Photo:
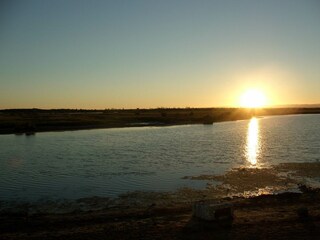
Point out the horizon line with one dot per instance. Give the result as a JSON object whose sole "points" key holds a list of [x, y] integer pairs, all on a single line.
{"points": [[314, 105]]}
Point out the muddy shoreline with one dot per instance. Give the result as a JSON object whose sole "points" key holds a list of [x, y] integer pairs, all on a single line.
{"points": [[262, 217], [267, 205]]}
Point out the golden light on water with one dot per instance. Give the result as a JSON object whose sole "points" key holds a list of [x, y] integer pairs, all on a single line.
{"points": [[252, 148]]}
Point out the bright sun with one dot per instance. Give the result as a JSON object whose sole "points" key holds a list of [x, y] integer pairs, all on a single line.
{"points": [[252, 98]]}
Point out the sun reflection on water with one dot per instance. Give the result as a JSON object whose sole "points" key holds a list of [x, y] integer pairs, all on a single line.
{"points": [[252, 148]]}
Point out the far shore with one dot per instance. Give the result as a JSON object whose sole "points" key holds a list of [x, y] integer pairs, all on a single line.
{"points": [[30, 121]]}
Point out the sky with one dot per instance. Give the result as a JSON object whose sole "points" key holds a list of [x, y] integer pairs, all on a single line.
{"points": [[149, 54]]}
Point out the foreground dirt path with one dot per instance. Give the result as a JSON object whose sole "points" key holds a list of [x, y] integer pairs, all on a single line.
{"points": [[263, 217]]}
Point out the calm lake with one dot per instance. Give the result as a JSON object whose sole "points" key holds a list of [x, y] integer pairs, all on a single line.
{"points": [[108, 162]]}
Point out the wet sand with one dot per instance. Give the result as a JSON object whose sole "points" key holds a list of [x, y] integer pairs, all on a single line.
{"points": [[264, 208]]}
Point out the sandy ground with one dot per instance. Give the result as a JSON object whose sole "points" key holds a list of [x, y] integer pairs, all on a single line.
{"points": [[259, 211]]}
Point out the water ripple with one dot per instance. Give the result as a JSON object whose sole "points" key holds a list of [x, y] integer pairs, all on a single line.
{"points": [[108, 162]]}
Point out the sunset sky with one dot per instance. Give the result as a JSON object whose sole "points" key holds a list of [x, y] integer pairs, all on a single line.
{"points": [[146, 54]]}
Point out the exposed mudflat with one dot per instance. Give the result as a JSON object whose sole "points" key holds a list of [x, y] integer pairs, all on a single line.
{"points": [[257, 181], [266, 201]]}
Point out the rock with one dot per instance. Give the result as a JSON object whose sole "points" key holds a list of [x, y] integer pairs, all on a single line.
{"points": [[211, 212]]}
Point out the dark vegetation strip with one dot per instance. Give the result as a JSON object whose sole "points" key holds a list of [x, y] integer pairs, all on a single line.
{"points": [[38, 120]]}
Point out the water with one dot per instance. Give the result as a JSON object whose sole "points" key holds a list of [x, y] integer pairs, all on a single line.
{"points": [[108, 162]]}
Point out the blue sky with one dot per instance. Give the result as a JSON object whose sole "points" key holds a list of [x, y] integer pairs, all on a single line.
{"points": [[128, 54]]}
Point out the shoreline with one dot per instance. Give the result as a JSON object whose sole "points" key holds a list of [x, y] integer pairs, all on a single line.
{"points": [[154, 215], [280, 213], [234, 183]]}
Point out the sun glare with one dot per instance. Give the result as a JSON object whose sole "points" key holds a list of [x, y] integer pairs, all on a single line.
{"points": [[252, 98]]}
